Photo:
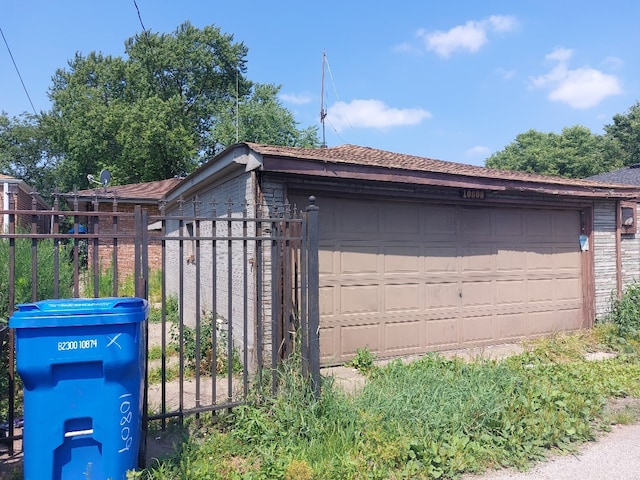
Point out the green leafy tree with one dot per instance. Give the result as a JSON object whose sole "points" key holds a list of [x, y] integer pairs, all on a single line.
{"points": [[260, 118], [624, 133], [158, 112], [575, 153], [26, 151], [144, 117]]}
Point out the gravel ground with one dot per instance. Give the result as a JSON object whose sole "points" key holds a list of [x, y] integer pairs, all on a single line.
{"points": [[615, 455]]}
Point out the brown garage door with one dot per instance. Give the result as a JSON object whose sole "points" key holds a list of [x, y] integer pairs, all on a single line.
{"points": [[405, 278]]}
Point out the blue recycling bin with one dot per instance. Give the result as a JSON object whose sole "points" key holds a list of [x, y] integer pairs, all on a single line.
{"points": [[82, 362]]}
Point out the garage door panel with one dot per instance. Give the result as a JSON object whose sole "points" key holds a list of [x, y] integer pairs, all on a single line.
{"points": [[359, 299], [510, 260], [566, 257], [477, 293], [540, 289], [440, 295], [565, 223], [442, 333], [540, 224], [476, 224], [407, 277], [358, 218], [568, 289], [477, 259], [512, 326], [510, 291], [441, 258], [327, 303], [508, 225], [401, 220], [541, 258], [401, 259], [326, 260], [402, 337], [402, 298], [329, 342], [358, 259], [477, 329], [359, 336], [439, 223]]}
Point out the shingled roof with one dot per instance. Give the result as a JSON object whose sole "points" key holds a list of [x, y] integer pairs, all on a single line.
{"points": [[148, 192], [458, 173], [627, 175]]}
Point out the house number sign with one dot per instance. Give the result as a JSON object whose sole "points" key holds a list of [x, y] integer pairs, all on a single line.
{"points": [[470, 194]]}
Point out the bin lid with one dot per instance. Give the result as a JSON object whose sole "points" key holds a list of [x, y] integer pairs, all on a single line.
{"points": [[65, 312]]}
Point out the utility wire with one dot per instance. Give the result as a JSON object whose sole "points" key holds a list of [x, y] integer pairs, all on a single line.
{"points": [[139, 16], [18, 72], [325, 117]]}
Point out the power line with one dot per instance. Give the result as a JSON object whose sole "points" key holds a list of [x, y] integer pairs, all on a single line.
{"points": [[18, 72], [139, 16]]}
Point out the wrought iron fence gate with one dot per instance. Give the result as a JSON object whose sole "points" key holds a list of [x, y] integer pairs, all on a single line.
{"points": [[231, 294]]}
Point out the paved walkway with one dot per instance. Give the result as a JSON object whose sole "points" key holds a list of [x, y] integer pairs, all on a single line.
{"points": [[615, 455]]}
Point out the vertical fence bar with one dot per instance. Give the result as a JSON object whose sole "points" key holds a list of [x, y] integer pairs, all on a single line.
{"points": [[258, 276], [245, 306], [275, 311], [304, 286], [313, 294], [181, 309], [13, 190], [55, 229], [141, 242], [196, 211], [214, 302], [114, 257], [34, 249], [95, 257], [229, 301], [163, 317]]}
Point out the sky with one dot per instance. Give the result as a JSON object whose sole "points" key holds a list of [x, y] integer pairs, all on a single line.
{"points": [[453, 80]]}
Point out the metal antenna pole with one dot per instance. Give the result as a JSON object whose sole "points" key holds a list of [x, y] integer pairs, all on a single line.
{"points": [[323, 111]]}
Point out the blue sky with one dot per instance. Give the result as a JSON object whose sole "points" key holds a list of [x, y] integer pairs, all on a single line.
{"points": [[454, 80]]}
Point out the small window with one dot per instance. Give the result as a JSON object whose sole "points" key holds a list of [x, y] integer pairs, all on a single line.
{"points": [[628, 217]]}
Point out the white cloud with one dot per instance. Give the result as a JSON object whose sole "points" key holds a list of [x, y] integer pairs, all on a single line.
{"points": [[372, 114], [580, 88], [471, 36], [295, 98], [506, 74], [477, 151], [613, 63], [560, 54]]}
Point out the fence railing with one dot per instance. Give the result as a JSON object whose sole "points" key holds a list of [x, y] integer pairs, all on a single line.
{"points": [[232, 294]]}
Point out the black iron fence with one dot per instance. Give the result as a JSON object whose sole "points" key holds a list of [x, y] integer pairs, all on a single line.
{"points": [[231, 294]]}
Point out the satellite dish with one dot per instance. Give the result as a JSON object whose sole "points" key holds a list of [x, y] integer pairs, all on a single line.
{"points": [[105, 177]]}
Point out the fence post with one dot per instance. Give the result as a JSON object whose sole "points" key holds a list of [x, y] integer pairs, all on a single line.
{"points": [[313, 287]]}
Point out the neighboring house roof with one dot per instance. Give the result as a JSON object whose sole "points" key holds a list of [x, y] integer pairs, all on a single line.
{"points": [[627, 175], [148, 192], [25, 187]]}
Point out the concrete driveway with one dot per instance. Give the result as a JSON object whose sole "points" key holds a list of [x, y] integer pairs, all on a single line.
{"points": [[615, 455]]}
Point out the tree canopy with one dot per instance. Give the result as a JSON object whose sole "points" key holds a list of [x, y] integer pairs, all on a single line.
{"points": [[156, 113], [625, 133], [26, 151], [575, 153]]}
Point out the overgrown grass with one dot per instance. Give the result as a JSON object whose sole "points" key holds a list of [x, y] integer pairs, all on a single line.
{"points": [[432, 418]]}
